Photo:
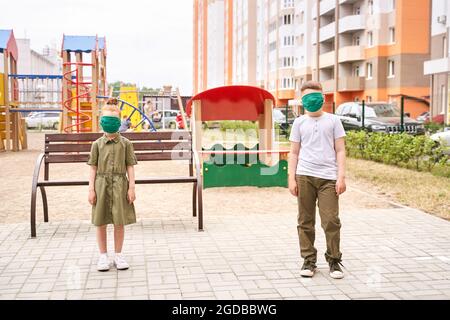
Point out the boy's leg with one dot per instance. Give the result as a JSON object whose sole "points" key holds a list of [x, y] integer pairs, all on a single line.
{"points": [[329, 216], [101, 239], [307, 196], [119, 235]]}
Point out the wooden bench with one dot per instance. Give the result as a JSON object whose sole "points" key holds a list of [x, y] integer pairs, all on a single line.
{"points": [[149, 146]]}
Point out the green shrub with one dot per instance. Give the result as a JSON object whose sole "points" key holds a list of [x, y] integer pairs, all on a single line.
{"points": [[412, 152], [238, 125], [433, 127]]}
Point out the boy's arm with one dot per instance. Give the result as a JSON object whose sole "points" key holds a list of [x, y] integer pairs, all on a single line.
{"points": [[341, 159], [293, 161], [131, 184]]}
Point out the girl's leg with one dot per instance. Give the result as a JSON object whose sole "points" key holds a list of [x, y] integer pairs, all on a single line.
{"points": [[119, 234], [101, 239]]}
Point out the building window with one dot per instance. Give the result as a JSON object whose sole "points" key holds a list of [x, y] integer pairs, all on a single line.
{"points": [[357, 11], [392, 35], [369, 99], [369, 71], [356, 72], [370, 39], [371, 11], [443, 98], [444, 47], [391, 68], [393, 5], [356, 41]]}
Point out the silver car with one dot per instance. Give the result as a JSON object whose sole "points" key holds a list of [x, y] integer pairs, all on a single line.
{"points": [[443, 138], [47, 120]]}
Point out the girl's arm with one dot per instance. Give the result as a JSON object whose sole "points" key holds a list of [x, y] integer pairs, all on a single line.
{"points": [[92, 195], [131, 185]]}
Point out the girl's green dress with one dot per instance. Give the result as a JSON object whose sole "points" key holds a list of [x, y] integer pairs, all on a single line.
{"points": [[112, 157]]}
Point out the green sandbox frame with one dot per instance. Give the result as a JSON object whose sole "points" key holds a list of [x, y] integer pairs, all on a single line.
{"points": [[247, 173]]}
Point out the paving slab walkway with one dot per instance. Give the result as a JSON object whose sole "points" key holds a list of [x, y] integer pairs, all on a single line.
{"points": [[388, 254]]}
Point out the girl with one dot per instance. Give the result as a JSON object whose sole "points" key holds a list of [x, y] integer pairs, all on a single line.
{"points": [[111, 194]]}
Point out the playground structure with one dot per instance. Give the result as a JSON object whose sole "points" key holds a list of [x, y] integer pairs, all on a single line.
{"points": [[259, 166], [83, 79], [12, 126]]}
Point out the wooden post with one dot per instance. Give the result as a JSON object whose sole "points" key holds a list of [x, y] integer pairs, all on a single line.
{"points": [[266, 132], [7, 114], [180, 104], [196, 125], [16, 116], [64, 119]]}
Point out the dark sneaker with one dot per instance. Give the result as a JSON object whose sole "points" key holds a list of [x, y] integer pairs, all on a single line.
{"points": [[308, 269], [335, 269]]}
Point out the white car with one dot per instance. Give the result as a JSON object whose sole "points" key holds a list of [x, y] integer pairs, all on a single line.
{"points": [[444, 139], [43, 120]]}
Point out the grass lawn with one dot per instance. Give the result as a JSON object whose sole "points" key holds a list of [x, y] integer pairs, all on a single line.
{"points": [[419, 190]]}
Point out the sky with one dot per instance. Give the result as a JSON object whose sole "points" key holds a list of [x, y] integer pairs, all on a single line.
{"points": [[149, 42]]}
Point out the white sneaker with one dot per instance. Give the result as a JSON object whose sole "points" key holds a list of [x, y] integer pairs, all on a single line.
{"points": [[335, 269], [103, 263], [120, 262]]}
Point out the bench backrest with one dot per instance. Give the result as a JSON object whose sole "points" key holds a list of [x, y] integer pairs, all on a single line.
{"points": [[148, 146]]}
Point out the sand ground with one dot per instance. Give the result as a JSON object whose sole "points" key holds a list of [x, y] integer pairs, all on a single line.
{"points": [[70, 203]]}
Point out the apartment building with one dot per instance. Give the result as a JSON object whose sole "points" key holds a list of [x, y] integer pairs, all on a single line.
{"points": [[209, 44], [438, 67], [266, 43], [372, 50]]}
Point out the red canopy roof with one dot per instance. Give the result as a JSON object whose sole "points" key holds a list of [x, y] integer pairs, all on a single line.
{"points": [[231, 103]]}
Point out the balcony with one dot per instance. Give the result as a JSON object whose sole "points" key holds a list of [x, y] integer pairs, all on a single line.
{"points": [[351, 53], [329, 85], [351, 23], [437, 66], [327, 6], [328, 32], [351, 84], [327, 60]]}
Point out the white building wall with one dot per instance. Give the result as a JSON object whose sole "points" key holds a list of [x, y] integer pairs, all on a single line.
{"points": [[216, 43], [32, 62]]}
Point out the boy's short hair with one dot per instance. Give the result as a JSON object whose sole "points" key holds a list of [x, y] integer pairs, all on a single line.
{"points": [[311, 85]]}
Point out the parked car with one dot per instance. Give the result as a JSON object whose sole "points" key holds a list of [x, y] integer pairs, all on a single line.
{"points": [[279, 118], [168, 117], [46, 120], [379, 117], [424, 117], [443, 139]]}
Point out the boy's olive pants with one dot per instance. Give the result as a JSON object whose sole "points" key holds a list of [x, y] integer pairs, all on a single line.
{"points": [[310, 191]]}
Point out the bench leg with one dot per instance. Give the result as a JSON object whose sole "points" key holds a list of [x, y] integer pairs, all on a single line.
{"points": [[33, 212], [44, 202], [194, 200], [200, 207]]}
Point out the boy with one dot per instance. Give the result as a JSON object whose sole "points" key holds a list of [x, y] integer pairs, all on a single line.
{"points": [[112, 185], [317, 174]]}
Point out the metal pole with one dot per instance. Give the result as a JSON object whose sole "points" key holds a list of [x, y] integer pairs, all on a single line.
{"points": [[402, 114], [363, 119], [334, 107]]}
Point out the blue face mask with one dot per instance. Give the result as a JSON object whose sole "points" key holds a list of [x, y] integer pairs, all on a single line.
{"points": [[313, 102]]}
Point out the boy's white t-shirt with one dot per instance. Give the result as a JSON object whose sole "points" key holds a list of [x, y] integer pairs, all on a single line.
{"points": [[317, 137]]}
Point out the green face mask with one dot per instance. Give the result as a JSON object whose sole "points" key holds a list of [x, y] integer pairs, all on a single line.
{"points": [[313, 102], [110, 124]]}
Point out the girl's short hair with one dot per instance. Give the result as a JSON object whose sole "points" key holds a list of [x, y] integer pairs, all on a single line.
{"points": [[112, 105]]}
